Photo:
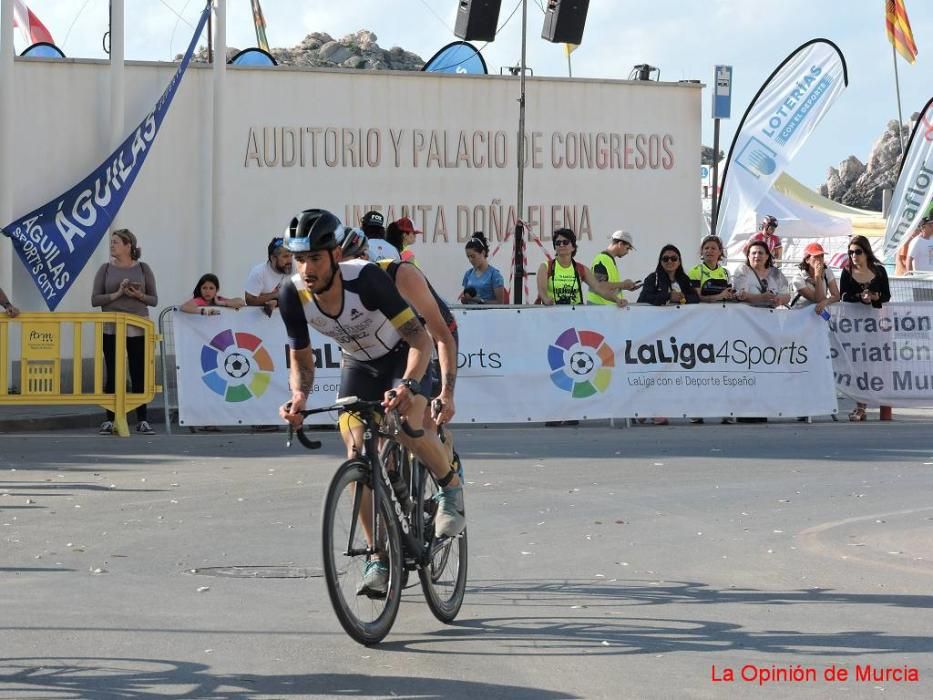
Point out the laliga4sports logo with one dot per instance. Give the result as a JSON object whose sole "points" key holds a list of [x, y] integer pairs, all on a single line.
{"points": [[236, 366], [581, 363]]}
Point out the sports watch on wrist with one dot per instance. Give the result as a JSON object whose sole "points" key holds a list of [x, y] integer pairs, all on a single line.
{"points": [[412, 385]]}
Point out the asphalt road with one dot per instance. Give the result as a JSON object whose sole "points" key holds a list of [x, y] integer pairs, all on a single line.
{"points": [[637, 563]]}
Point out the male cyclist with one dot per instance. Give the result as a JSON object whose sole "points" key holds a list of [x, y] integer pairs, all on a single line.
{"points": [[433, 312], [356, 304]]}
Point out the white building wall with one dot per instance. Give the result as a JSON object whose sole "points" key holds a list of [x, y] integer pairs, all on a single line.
{"points": [[61, 133]]}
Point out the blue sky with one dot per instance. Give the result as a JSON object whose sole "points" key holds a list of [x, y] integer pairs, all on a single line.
{"points": [[684, 38]]}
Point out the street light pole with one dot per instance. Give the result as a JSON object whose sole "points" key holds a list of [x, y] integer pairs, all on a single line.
{"points": [[519, 228]]}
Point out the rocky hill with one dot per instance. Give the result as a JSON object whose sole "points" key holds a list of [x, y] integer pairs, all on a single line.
{"points": [[358, 50], [859, 184]]}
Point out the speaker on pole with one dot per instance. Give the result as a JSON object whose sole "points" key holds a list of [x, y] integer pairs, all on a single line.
{"points": [[477, 20], [564, 21]]}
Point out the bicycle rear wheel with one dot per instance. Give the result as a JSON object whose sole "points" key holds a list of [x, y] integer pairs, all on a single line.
{"points": [[367, 620], [443, 580]]}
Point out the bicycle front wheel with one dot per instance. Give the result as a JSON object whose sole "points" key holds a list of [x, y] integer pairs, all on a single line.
{"points": [[443, 580], [366, 618]]}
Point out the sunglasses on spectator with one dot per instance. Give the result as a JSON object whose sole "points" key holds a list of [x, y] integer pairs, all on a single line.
{"points": [[856, 251], [669, 258], [560, 242]]}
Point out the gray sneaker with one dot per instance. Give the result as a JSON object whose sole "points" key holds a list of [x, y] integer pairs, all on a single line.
{"points": [[375, 582], [106, 428], [144, 428], [451, 519]]}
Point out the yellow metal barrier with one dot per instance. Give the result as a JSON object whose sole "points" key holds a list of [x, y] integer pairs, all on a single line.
{"points": [[41, 362]]}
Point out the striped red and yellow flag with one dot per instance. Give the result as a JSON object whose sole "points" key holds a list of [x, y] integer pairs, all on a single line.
{"points": [[898, 27], [260, 21]]}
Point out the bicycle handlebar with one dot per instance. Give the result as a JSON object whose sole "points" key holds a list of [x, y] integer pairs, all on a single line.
{"points": [[350, 403]]}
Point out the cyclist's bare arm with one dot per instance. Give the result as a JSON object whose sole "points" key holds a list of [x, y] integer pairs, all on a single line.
{"points": [[419, 354], [301, 380], [414, 289]]}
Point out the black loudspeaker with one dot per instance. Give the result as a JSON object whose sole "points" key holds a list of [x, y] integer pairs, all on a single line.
{"points": [[477, 19], [564, 21]]}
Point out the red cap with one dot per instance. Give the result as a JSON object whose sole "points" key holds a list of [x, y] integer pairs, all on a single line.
{"points": [[813, 249], [406, 226]]}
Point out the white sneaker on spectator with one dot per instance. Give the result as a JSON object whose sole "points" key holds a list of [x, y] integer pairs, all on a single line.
{"points": [[144, 428], [106, 428]]}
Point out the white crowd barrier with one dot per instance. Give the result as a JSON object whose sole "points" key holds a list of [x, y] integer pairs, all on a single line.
{"points": [[521, 364]]}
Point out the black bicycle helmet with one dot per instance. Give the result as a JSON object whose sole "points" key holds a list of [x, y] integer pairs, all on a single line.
{"points": [[312, 230], [769, 221], [352, 242]]}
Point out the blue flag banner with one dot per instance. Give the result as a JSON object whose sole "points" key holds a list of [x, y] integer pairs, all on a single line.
{"points": [[56, 240], [457, 57]]}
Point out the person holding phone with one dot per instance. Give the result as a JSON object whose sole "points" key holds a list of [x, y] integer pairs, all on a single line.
{"points": [[605, 269], [128, 285]]}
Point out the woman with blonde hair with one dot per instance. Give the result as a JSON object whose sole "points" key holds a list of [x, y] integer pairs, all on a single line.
{"points": [[128, 285]]}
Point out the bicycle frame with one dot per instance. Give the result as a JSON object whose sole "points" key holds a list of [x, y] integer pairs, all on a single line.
{"points": [[410, 529]]}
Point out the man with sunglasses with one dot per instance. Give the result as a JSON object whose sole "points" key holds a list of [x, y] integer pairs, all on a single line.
{"points": [[386, 351], [265, 279]]}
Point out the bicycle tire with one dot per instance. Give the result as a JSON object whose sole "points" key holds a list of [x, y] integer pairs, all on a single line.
{"points": [[367, 620], [443, 589]]}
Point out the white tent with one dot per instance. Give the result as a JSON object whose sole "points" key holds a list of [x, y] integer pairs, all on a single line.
{"points": [[805, 216]]}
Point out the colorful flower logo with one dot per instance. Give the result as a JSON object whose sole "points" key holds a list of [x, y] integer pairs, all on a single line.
{"points": [[236, 366], [581, 363]]}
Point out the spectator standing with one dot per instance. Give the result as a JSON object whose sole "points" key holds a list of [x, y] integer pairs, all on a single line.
{"points": [[560, 281], [814, 284], [264, 280], [605, 269], [711, 280], [205, 298], [401, 234], [920, 251], [758, 282], [768, 234], [669, 283], [710, 277], [864, 281], [900, 257], [128, 285], [373, 224], [482, 283], [11, 310]]}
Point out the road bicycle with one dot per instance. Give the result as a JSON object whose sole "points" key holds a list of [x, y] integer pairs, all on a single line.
{"points": [[402, 530]]}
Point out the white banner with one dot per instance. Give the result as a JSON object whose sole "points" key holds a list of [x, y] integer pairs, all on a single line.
{"points": [[537, 364], [913, 193], [884, 356], [779, 121], [232, 368], [642, 361]]}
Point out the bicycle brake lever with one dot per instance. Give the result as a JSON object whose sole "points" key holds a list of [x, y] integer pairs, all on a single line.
{"points": [[291, 432]]}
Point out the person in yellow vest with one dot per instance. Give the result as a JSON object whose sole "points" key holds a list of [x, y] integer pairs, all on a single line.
{"points": [[605, 269], [560, 281]]}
